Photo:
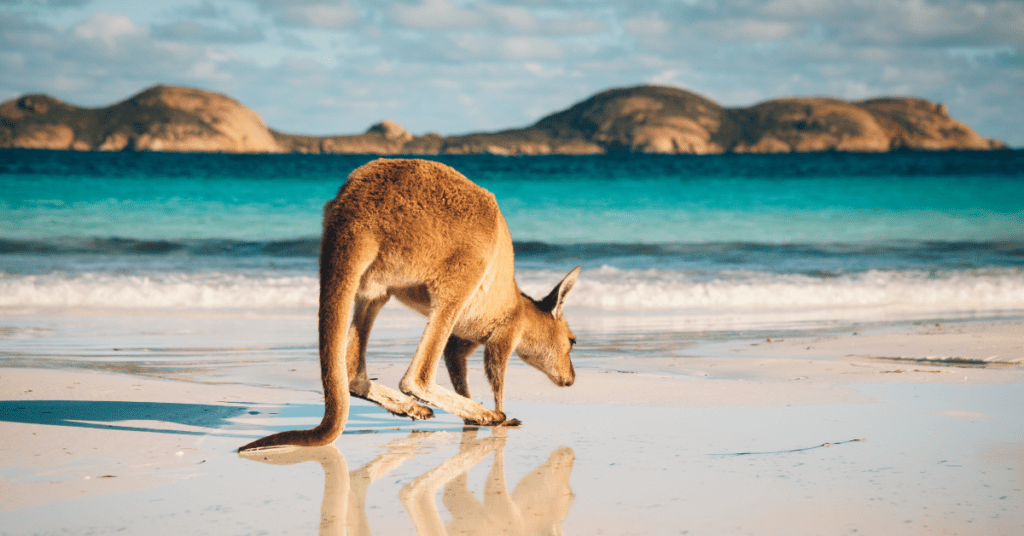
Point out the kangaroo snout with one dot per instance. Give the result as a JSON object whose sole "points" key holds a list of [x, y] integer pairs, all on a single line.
{"points": [[565, 379]]}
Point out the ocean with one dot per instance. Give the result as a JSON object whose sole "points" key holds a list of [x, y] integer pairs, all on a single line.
{"points": [[684, 243]]}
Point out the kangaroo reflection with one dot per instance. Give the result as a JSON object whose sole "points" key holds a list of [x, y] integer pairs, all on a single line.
{"points": [[537, 505], [336, 479]]}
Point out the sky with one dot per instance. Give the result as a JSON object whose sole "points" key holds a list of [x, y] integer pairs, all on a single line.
{"points": [[458, 66]]}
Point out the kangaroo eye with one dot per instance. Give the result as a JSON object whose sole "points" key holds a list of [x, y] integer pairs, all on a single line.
{"points": [[572, 341]]}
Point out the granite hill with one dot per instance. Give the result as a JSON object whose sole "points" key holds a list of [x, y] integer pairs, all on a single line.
{"points": [[646, 119]]}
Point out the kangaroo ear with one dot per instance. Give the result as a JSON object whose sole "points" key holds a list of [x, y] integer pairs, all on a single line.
{"points": [[553, 302]]}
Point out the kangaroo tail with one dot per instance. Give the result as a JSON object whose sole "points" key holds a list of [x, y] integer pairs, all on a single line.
{"points": [[342, 264]]}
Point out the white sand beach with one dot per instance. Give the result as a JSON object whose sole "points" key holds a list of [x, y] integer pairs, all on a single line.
{"points": [[896, 428]]}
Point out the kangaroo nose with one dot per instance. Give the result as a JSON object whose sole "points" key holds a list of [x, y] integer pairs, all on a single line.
{"points": [[570, 378]]}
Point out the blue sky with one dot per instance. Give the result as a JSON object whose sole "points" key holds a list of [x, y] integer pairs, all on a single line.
{"points": [[459, 66]]}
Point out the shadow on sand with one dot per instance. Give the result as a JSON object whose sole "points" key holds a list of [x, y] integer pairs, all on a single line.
{"points": [[95, 414], [537, 505]]}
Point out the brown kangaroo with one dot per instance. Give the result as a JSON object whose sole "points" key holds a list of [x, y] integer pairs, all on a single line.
{"points": [[422, 232]]}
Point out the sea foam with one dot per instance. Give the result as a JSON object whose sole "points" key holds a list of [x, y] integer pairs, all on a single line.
{"points": [[170, 290], [611, 288], [604, 288]]}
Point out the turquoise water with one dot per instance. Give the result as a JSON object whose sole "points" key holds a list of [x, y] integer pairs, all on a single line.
{"points": [[562, 200], [925, 232]]}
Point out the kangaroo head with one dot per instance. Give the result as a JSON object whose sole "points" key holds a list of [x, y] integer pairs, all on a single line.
{"points": [[547, 339]]}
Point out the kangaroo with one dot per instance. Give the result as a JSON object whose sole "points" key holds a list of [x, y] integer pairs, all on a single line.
{"points": [[422, 232]]}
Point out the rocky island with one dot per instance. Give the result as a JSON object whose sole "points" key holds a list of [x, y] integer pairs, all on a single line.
{"points": [[645, 119]]}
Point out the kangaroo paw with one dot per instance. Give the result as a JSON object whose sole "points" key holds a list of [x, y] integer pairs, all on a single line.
{"points": [[415, 412], [420, 413], [491, 418], [511, 423]]}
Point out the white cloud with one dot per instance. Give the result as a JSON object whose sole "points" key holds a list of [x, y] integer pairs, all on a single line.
{"points": [[311, 13], [435, 15], [908, 22], [45, 4], [206, 33], [491, 17], [322, 16], [107, 28], [208, 71], [531, 48], [647, 24], [204, 10], [753, 30], [575, 23], [513, 18]]}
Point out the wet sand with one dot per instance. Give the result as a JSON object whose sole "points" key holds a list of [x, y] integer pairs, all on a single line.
{"points": [[901, 428]]}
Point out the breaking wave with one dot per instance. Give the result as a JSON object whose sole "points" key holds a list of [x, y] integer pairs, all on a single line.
{"points": [[606, 288]]}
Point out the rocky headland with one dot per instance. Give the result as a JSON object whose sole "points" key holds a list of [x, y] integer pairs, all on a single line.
{"points": [[645, 119]]}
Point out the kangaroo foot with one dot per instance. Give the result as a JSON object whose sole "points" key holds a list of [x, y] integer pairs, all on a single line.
{"points": [[489, 418], [509, 423], [417, 412], [471, 412], [396, 403], [414, 411]]}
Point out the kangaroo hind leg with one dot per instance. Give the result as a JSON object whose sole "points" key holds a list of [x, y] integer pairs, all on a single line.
{"points": [[360, 385], [455, 354]]}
